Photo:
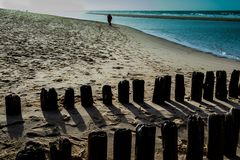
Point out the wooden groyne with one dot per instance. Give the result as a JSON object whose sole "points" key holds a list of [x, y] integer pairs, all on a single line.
{"points": [[222, 133]]}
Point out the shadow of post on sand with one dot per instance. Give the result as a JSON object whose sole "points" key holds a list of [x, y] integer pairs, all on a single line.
{"points": [[15, 126], [77, 118], [95, 116], [117, 112], [55, 117]]}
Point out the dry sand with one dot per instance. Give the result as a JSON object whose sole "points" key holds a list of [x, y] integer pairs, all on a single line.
{"points": [[39, 51]]}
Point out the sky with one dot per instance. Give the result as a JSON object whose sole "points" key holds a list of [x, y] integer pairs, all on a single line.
{"points": [[78, 5]]}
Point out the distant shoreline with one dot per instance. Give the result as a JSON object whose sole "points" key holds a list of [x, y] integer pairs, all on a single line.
{"points": [[171, 17]]}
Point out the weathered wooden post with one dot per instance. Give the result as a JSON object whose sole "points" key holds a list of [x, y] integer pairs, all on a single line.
{"points": [[167, 87], [197, 86], [159, 94], [156, 91], [54, 152], [31, 153], [49, 99], [179, 88], [44, 99], [107, 95], [123, 92], [97, 146], [195, 138], [86, 96], [145, 142], [232, 126], [138, 90], [69, 98], [215, 137], [65, 148], [209, 86], [228, 136], [13, 105], [239, 89], [169, 140], [52, 99], [221, 85], [122, 144], [233, 85]]}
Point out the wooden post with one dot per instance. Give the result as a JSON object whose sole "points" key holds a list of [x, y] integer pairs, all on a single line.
{"points": [[239, 90], [179, 88], [123, 92], [97, 146], [52, 99], [209, 86], [197, 86], [31, 153], [215, 137], [169, 140], [221, 85], [69, 98], [54, 152], [107, 95], [122, 144], [156, 91], [159, 93], [235, 112], [167, 87], [13, 105], [65, 148], [44, 99], [233, 85], [229, 137], [86, 96], [49, 99], [145, 142], [195, 138], [138, 90]]}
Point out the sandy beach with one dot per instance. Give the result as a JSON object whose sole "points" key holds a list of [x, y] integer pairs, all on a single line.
{"points": [[42, 51]]}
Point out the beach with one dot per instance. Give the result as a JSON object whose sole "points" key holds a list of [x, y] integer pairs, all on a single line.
{"points": [[42, 51]]}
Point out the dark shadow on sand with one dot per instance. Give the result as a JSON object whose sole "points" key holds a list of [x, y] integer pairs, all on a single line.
{"points": [[222, 106], [182, 107], [195, 108], [167, 105], [136, 111], [77, 119], [96, 116], [233, 103], [213, 108], [117, 112], [56, 118], [15, 126], [151, 109], [235, 158]]}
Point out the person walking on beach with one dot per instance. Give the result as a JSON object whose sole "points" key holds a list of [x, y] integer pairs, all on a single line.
{"points": [[109, 18]]}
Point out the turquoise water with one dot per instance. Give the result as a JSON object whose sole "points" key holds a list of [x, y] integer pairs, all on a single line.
{"points": [[221, 38]]}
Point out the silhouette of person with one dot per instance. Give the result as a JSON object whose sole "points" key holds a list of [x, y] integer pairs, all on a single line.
{"points": [[109, 17]]}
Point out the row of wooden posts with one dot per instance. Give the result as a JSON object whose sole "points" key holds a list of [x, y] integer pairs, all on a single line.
{"points": [[223, 133], [161, 93]]}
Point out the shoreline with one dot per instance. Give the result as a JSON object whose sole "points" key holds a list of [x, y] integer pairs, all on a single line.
{"points": [[180, 44], [171, 17]]}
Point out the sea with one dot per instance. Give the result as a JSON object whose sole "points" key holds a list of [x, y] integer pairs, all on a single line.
{"points": [[214, 32]]}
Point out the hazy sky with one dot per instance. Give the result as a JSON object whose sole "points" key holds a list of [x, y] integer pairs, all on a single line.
{"points": [[75, 5]]}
